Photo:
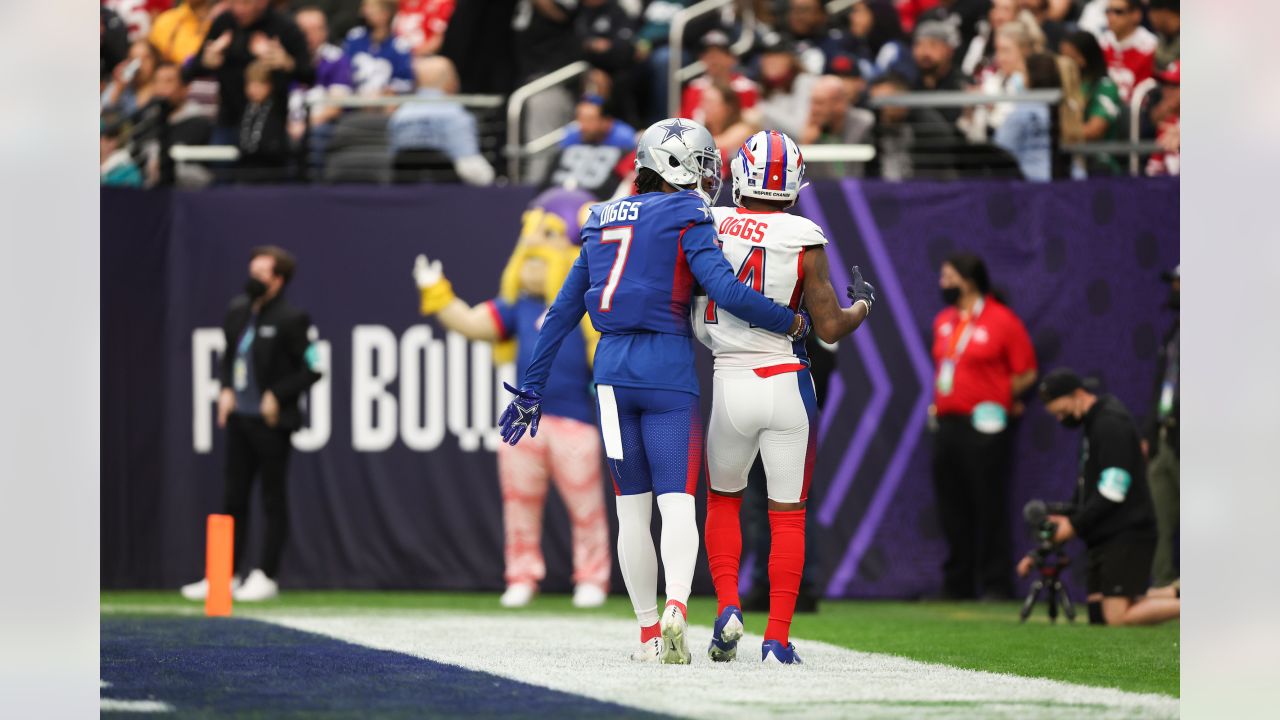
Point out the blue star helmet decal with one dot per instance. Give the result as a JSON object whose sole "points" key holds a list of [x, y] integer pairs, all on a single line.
{"points": [[674, 129]]}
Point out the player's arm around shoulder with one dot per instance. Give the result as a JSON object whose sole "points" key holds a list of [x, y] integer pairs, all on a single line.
{"points": [[481, 322], [830, 321]]}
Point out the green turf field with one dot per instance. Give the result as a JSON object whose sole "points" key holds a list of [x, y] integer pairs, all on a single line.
{"points": [[967, 635]]}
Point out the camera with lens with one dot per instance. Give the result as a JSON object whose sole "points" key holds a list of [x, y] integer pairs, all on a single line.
{"points": [[1048, 559], [1036, 513]]}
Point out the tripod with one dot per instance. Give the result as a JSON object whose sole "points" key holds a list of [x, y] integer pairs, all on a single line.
{"points": [[1049, 584]]}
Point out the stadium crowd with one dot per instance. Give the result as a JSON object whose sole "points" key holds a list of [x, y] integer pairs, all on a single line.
{"points": [[246, 73]]}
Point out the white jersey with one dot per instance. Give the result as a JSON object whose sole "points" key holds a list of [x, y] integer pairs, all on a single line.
{"points": [[766, 249]]}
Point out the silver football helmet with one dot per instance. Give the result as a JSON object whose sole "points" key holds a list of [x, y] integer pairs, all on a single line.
{"points": [[684, 154]]}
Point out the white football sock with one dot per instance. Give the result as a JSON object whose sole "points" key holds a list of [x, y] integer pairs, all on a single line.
{"points": [[679, 543], [636, 555]]}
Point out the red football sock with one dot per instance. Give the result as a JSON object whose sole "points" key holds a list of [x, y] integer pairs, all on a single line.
{"points": [[723, 536], [786, 565], [649, 633]]}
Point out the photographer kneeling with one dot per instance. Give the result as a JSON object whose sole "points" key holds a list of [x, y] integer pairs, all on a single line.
{"points": [[1111, 509]]}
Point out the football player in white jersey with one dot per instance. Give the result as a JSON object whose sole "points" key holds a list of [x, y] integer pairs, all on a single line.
{"points": [[763, 398]]}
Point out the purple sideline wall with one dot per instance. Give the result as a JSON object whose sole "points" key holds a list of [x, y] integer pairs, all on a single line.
{"points": [[402, 492]]}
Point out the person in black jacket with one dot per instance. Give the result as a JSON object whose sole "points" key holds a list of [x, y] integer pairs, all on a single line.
{"points": [[267, 365], [249, 30], [1111, 510]]}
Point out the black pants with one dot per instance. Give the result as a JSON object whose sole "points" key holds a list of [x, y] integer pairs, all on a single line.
{"points": [[970, 479], [254, 448]]}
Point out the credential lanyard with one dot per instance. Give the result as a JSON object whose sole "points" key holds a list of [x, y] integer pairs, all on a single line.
{"points": [[947, 369]]}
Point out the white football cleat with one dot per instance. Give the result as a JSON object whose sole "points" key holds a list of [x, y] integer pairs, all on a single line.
{"points": [[675, 651], [255, 588], [649, 652], [199, 590], [518, 595], [588, 595]]}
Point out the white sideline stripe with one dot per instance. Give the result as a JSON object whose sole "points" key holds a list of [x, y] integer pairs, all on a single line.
{"points": [[137, 706], [588, 657]]}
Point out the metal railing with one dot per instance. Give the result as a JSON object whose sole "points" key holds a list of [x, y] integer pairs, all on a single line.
{"points": [[515, 108], [961, 98], [837, 153], [836, 6], [354, 101], [677, 72]]}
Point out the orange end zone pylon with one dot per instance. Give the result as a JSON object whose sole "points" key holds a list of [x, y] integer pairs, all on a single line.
{"points": [[218, 555]]}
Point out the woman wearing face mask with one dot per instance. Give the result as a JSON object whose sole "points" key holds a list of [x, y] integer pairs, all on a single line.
{"points": [[983, 362]]}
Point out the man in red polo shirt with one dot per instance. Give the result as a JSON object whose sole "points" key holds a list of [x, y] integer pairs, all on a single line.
{"points": [[983, 362]]}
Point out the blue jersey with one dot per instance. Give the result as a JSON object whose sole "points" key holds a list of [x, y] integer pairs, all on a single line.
{"points": [[635, 274], [378, 66], [568, 391]]}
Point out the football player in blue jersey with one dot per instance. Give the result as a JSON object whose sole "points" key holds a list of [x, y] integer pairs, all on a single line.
{"points": [[635, 275]]}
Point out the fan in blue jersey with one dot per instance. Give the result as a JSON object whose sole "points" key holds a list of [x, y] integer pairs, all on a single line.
{"points": [[635, 275], [380, 61]]}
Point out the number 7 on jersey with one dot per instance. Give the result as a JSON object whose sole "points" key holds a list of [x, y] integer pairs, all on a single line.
{"points": [[622, 236]]}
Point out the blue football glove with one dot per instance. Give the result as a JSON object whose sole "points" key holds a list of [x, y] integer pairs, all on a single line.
{"points": [[523, 412], [806, 326], [860, 289]]}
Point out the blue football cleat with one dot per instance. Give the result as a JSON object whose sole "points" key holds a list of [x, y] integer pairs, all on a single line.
{"points": [[724, 639], [773, 652]]}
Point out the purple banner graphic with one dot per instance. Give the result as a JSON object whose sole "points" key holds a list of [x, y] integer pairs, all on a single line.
{"points": [[393, 484]]}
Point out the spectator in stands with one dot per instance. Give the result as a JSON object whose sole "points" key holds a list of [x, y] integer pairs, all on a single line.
{"points": [[263, 141], [980, 57], [1051, 16], [962, 15], [545, 42], [594, 156], [785, 87], [607, 37], [721, 111], [934, 52], [138, 14], [1015, 41], [333, 79], [1129, 48], [911, 142], [1167, 21], [721, 66], [845, 67], [1101, 98], [421, 23], [652, 49], [381, 63], [177, 33], [877, 40], [442, 127], [833, 122], [113, 43], [249, 31], [115, 163], [1166, 115], [814, 39], [131, 80], [1028, 132], [984, 362], [183, 122]]}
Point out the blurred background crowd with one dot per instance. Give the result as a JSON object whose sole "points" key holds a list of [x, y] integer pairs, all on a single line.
{"points": [[383, 91]]}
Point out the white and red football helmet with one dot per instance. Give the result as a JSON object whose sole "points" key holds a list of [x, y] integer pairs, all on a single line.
{"points": [[768, 166]]}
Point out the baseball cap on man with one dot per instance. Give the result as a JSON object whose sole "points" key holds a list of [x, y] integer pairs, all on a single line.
{"points": [[1060, 382], [715, 39], [938, 30]]}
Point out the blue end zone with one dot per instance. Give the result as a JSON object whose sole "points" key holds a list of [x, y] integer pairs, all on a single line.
{"points": [[209, 667]]}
